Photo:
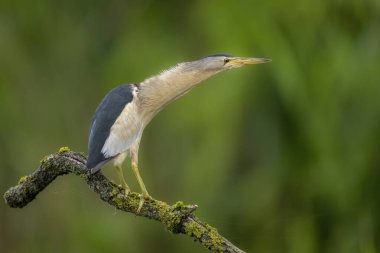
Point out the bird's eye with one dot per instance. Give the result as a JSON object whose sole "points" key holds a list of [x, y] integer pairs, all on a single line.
{"points": [[226, 60]]}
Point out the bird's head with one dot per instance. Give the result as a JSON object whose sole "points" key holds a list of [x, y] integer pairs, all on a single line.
{"points": [[221, 62]]}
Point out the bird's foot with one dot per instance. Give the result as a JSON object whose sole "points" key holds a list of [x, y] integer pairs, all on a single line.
{"points": [[126, 190], [125, 187], [143, 197]]}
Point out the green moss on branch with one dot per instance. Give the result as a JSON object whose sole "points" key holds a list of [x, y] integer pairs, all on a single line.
{"points": [[177, 218]]}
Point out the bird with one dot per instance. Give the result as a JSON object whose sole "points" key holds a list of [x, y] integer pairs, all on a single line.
{"points": [[121, 117]]}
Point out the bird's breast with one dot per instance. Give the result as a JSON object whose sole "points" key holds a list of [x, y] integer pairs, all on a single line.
{"points": [[124, 132]]}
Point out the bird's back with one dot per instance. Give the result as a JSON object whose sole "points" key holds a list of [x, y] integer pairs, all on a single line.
{"points": [[105, 116]]}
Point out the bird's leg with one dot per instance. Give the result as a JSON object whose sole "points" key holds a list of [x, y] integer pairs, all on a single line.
{"points": [[144, 192], [134, 159], [139, 179], [122, 180]]}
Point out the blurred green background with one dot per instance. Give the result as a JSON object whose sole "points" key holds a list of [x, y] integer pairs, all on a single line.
{"points": [[281, 157]]}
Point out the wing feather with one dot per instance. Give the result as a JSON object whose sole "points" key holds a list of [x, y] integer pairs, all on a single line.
{"points": [[104, 118]]}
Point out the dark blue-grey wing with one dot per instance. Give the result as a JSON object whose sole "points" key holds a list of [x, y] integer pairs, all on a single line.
{"points": [[105, 116]]}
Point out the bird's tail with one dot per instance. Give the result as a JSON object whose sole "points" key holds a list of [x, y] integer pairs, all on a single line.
{"points": [[98, 167]]}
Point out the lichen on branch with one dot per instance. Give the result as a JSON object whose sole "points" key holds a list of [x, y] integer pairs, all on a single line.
{"points": [[177, 218]]}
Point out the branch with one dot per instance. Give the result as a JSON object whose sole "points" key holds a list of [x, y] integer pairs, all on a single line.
{"points": [[178, 218]]}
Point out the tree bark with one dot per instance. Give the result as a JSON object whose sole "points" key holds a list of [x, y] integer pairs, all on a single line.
{"points": [[177, 218]]}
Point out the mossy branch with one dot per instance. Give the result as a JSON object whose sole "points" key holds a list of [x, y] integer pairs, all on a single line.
{"points": [[178, 218]]}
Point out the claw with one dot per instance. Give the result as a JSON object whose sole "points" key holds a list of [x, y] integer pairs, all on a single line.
{"points": [[143, 197], [141, 203], [126, 191]]}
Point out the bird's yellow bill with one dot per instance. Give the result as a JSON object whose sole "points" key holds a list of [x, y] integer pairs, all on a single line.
{"points": [[239, 61]]}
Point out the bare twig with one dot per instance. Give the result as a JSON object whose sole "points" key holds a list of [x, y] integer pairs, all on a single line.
{"points": [[178, 218]]}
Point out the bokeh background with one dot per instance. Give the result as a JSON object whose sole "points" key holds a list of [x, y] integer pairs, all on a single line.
{"points": [[280, 157]]}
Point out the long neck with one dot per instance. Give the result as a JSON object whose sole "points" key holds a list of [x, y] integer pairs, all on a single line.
{"points": [[158, 91]]}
